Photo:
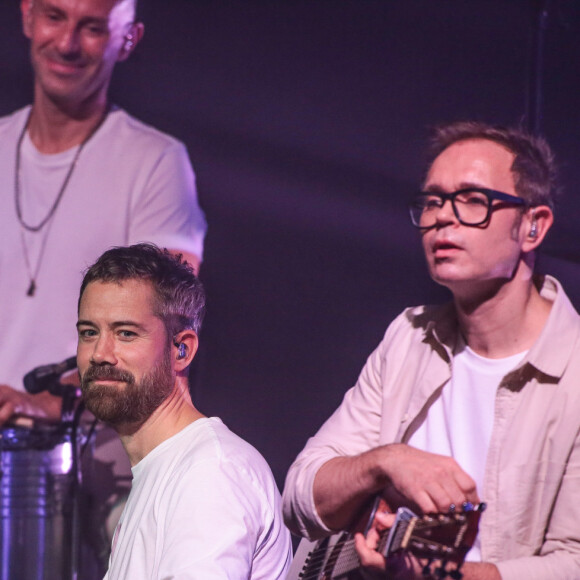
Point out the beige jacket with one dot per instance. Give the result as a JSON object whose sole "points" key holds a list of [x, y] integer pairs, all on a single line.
{"points": [[531, 528]]}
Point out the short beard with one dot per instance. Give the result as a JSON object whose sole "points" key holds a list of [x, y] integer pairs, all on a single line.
{"points": [[134, 403]]}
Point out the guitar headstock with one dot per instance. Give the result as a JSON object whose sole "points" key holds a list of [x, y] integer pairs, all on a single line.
{"points": [[441, 536]]}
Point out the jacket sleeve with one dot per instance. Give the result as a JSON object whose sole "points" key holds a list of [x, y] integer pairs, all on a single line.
{"points": [[352, 429]]}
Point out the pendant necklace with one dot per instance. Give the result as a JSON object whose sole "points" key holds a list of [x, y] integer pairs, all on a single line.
{"points": [[47, 220]]}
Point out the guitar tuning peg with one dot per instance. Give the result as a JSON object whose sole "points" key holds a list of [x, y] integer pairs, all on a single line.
{"points": [[452, 508], [481, 507], [467, 506]]}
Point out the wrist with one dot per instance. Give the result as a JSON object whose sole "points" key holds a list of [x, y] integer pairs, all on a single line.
{"points": [[377, 467]]}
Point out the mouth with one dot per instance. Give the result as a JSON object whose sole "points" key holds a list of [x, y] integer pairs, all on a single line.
{"points": [[105, 381], [443, 248], [63, 67]]}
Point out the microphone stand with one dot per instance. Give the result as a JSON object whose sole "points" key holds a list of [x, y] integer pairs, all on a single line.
{"points": [[47, 378]]}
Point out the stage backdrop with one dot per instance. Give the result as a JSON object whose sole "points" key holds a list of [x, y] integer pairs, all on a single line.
{"points": [[305, 121]]}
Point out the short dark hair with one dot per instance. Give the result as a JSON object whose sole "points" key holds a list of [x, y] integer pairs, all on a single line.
{"points": [[533, 167], [179, 295]]}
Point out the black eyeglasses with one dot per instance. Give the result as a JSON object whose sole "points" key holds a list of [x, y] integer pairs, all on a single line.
{"points": [[472, 206]]}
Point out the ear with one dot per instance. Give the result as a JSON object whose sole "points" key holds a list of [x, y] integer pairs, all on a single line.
{"points": [[189, 340], [26, 10], [535, 225], [131, 39]]}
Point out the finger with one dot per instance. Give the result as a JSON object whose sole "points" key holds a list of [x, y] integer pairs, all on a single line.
{"points": [[384, 520], [372, 539], [369, 558], [426, 501], [456, 490], [468, 486], [446, 493], [451, 488], [6, 412]]}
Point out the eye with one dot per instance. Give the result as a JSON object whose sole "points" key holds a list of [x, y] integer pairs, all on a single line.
{"points": [[474, 198], [127, 334], [53, 16], [96, 30], [429, 202], [96, 27], [87, 333]]}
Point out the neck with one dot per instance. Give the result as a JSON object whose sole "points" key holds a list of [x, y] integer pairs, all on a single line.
{"points": [[54, 126], [171, 417], [504, 318]]}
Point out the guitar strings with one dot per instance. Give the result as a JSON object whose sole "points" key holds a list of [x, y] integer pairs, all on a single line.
{"points": [[316, 559], [339, 563]]}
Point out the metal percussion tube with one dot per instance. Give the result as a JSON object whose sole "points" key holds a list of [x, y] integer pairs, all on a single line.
{"points": [[36, 503]]}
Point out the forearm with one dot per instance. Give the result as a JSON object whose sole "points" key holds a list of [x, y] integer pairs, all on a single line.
{"points": [[424, 481], [344, 484], [19, 403], [480, 571]]}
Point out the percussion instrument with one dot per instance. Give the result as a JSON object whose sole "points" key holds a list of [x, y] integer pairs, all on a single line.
{"points": [[37, 502]]}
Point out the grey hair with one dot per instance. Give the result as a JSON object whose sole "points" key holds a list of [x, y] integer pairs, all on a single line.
{"points": [[179, 295]]}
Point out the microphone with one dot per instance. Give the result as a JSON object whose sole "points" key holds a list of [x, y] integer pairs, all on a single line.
{"points": [[46, 377]]}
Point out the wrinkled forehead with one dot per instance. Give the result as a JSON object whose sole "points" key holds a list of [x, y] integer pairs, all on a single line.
{"points": [[119, 10]]}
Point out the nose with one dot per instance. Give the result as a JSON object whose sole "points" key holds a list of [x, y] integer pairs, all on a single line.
{"points": [[445, 214], [104, 351], [68, 41]]}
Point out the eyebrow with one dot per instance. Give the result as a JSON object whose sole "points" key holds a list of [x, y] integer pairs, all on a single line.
{"points": [[117, 324], [435, 188]]}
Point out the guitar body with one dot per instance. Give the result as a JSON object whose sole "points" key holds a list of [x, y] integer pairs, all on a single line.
{"points": [[443, 537]]}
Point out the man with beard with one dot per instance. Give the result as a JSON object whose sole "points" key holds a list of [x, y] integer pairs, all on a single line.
{"points": [[203, 503], [70, 154]]}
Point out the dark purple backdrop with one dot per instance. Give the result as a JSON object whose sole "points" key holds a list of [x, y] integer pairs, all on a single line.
{"points": [[305, 120]]}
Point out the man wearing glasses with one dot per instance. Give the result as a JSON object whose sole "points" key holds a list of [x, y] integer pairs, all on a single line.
{"points": [[476, 400]]}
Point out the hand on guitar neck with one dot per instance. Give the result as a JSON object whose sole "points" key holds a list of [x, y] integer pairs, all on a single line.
{"points": [[434, 548], [403, 565], [404, 546]]}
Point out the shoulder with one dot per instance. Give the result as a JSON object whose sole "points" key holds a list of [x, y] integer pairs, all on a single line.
{"points": [[139, 150], [139, 135], [14, 122], [209, 442], [551, 289], [230, 450], [207, 459], [418, 330]]}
